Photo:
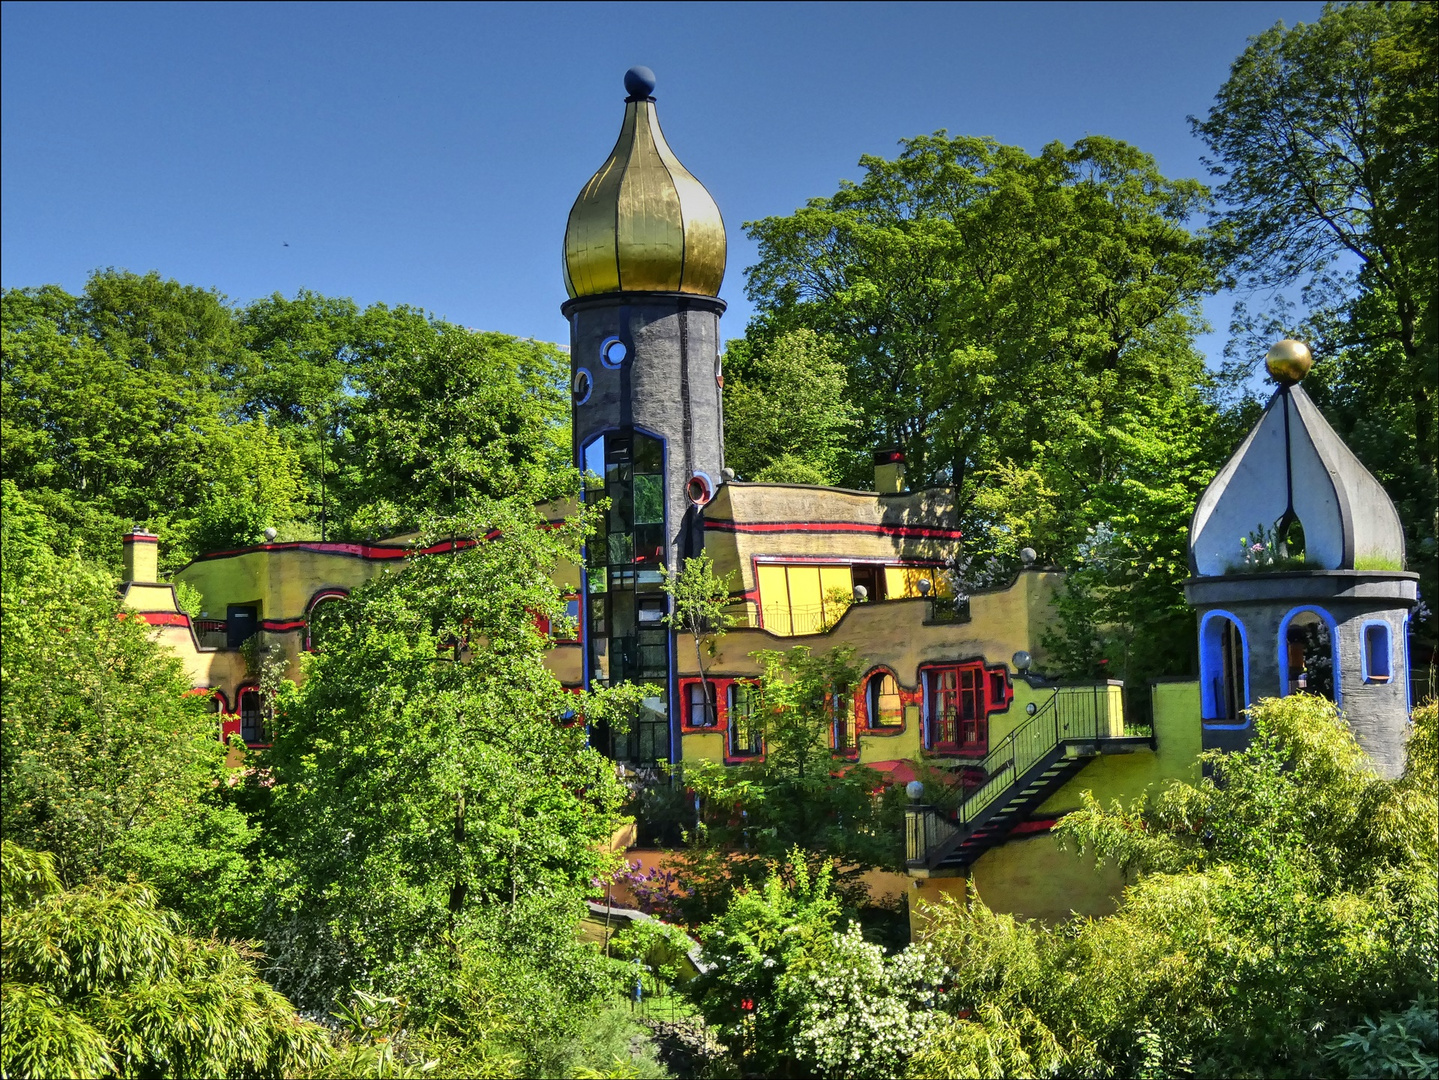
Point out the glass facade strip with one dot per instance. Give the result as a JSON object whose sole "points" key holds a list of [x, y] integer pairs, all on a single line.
{"points": [[628, 641]]}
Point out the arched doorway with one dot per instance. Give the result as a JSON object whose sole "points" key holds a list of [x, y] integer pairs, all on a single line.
{"points": [[1308, 653], [1223, 668]]}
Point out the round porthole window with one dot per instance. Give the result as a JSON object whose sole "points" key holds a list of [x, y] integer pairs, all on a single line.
{"points": [[613, 352], [582, 386], [698, 489]]}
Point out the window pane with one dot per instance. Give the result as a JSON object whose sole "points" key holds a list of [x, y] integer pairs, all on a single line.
{"points": [[649, 455], [621, 549], [886, 709], [594, 460], [649, 500], [1376, 648]]}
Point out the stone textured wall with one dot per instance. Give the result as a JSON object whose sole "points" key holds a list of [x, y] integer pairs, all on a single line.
{"points": [[1377, 712], [668, 386]]}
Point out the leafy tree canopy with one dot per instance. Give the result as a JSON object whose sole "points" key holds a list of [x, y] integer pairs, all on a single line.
{"points": [[1022, 327], [981, 293], [429, 698], [110, 763], [788, 417], [100, 980], [1326, 137], [1278, 905], [143, 402]]}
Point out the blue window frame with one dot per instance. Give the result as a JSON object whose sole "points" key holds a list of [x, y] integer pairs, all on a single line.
{"points": [[1376, 657], [1320, 652], [1223, 670]]}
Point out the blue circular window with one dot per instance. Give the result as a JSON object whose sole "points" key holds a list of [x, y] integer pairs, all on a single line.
{"points": [[582, 386], [613, 352]]}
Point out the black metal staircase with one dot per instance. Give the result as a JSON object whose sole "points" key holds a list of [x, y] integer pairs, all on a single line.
{"points": [[1034, 761]]}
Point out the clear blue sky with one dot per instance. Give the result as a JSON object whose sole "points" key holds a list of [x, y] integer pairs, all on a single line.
{"points": [[428, 154]]}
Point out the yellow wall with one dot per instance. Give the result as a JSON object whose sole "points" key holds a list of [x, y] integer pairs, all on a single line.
{"points": [[282, 582], [1032, 877], [903, 746], [810, 508], [1126, 776], [895, 634], [704, 746], [205, 667]]}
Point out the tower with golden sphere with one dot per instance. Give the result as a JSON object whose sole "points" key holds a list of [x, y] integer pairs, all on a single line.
{"points": [[644, 257], [1297, 557]]}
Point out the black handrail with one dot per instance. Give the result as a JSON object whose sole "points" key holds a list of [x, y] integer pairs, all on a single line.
{"points": [[1072, 713]]}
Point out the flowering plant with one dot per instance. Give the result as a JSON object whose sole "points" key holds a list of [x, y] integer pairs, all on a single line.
{"points": [[1259, 550]]}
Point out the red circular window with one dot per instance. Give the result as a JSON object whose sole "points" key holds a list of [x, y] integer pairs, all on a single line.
{"points": [[698, 489]]}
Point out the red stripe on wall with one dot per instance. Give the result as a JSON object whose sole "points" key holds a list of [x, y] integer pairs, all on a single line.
{"points": [[1025, 827], [904, 532], [353, 551], [162, 618]]}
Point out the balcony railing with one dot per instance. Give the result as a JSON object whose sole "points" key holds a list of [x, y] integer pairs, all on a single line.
{"points": [[925, 831], [1073, 716]]}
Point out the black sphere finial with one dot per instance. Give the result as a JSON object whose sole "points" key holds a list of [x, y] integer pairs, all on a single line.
{"points": [[639, 82]]}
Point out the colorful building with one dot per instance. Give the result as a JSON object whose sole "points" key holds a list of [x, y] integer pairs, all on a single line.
{"points": [[955, 685]]}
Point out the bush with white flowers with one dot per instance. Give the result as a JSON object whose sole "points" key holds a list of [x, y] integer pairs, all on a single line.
{"points": [[861, 1013]]}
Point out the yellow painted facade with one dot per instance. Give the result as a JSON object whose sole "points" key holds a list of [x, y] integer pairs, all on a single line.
{"points": [[788, 548]]}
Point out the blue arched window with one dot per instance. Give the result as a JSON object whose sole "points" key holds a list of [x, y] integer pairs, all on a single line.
{"points": [[1376, 656], [1309, 654], [1223, 670]]}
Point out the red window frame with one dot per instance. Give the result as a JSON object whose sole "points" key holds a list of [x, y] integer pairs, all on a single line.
{"points": [[324, 596], [957, 720], [694, 699], [873, 689], [252, 692]]}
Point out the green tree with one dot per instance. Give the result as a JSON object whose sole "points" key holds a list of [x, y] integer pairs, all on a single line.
{"points": [[792, 996], [1122, 614], [109, 762], [1326, 135], [796, 797], [144, 402], [699, 607], [982, 293], [1018, 324], [100, 980], [118, 412], [446, 414], [435, 823], [787, 414]]}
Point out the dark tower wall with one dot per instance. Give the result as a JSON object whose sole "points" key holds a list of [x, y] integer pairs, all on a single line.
{"points": [[667, 386]]}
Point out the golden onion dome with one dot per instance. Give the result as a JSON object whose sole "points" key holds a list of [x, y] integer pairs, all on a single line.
{"points": [[643, 223]]}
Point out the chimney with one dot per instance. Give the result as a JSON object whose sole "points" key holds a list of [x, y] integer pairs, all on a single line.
{"points": [[889, 471], [139, 554]]}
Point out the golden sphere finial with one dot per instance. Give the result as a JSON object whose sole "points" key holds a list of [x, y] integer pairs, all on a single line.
{"points": [[1288, 361]]}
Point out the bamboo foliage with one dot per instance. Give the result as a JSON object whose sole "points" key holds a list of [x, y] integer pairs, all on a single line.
{"points": [[101, 981]]}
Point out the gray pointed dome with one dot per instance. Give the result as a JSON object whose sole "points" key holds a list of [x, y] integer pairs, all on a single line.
{"points": [[1348, 519]]}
